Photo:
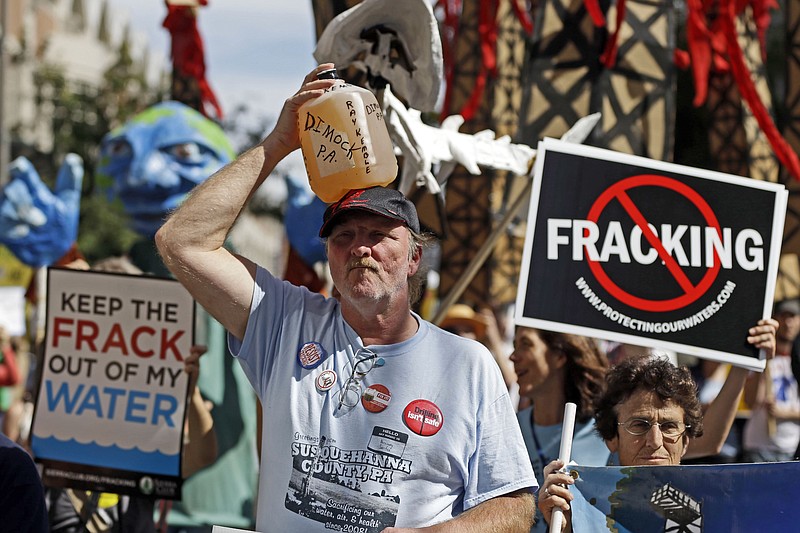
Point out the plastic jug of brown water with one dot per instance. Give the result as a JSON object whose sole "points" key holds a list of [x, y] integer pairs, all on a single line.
{"points": [[344, 140]]}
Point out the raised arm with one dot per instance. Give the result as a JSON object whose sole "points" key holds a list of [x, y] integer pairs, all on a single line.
{"points": [[721, 412], [191, 241]]}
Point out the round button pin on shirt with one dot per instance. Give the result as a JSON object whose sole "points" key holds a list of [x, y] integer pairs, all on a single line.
{"points": [[423, 417], [376, 398], [310, 355], [326, 380]]}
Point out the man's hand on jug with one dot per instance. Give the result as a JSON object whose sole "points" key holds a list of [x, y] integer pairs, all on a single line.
{"points": [[286, 128]]}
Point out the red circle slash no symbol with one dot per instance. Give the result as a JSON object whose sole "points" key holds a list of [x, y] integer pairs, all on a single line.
{"points": [[691, 292]]}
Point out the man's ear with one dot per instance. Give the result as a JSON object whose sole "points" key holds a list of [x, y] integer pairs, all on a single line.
{"points": [[416, 260]]}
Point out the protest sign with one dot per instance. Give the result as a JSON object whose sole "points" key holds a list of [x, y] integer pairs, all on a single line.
{"points": [[708, 498], [112, 396], [634, 250]]}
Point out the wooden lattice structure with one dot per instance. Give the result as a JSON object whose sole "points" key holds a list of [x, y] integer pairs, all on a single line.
{"points": [[467, 196], [561, 64], [507, 256], [789, 277], [727, 139], [637, 95], [466, 222], [762, 161], [736, 143], [474, 204], [545, 83], [565, 78]]}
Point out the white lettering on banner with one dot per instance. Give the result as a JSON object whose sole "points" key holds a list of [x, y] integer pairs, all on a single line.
{"points": [[655, 327], [704, 244]]}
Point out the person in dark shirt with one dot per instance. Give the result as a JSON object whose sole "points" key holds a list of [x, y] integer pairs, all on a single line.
{"points": [[22, 505]]}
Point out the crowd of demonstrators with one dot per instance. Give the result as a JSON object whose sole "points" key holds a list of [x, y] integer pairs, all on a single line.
{"points": [[362, 375], [464, 461], [772, 432], [551, 368]]}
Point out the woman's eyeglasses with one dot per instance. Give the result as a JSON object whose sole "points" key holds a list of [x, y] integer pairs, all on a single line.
{"points": [[640, 426], [350, 393]]}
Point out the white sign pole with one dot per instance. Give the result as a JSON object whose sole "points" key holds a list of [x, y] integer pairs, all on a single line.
{"points": [[567, 429]]}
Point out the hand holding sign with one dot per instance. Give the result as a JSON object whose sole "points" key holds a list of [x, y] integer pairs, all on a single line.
{"points": [[564, 454], [554, 495], [191, 365]]}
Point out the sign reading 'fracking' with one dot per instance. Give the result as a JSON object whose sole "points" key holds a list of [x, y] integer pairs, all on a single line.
{"points": [[629, 249]]}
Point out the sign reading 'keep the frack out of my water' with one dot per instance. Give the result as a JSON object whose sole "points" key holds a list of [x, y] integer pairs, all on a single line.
{"points": [[110, 410]]}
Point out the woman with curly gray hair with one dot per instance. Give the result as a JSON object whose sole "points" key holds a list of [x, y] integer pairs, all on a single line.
{"points": [[656, 383]]}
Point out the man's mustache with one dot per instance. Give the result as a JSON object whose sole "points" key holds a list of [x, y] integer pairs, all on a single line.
{"points": [[363, 262]]}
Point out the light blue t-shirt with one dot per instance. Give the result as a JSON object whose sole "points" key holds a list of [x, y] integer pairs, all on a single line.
{"points": [[433, 435], [588, 448]]}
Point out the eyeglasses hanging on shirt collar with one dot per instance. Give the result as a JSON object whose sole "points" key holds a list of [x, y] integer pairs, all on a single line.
{"points": [[350, 393]]}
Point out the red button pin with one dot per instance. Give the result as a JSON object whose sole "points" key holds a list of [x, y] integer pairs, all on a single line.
{"points": [[423, 417], [376, 398]]}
